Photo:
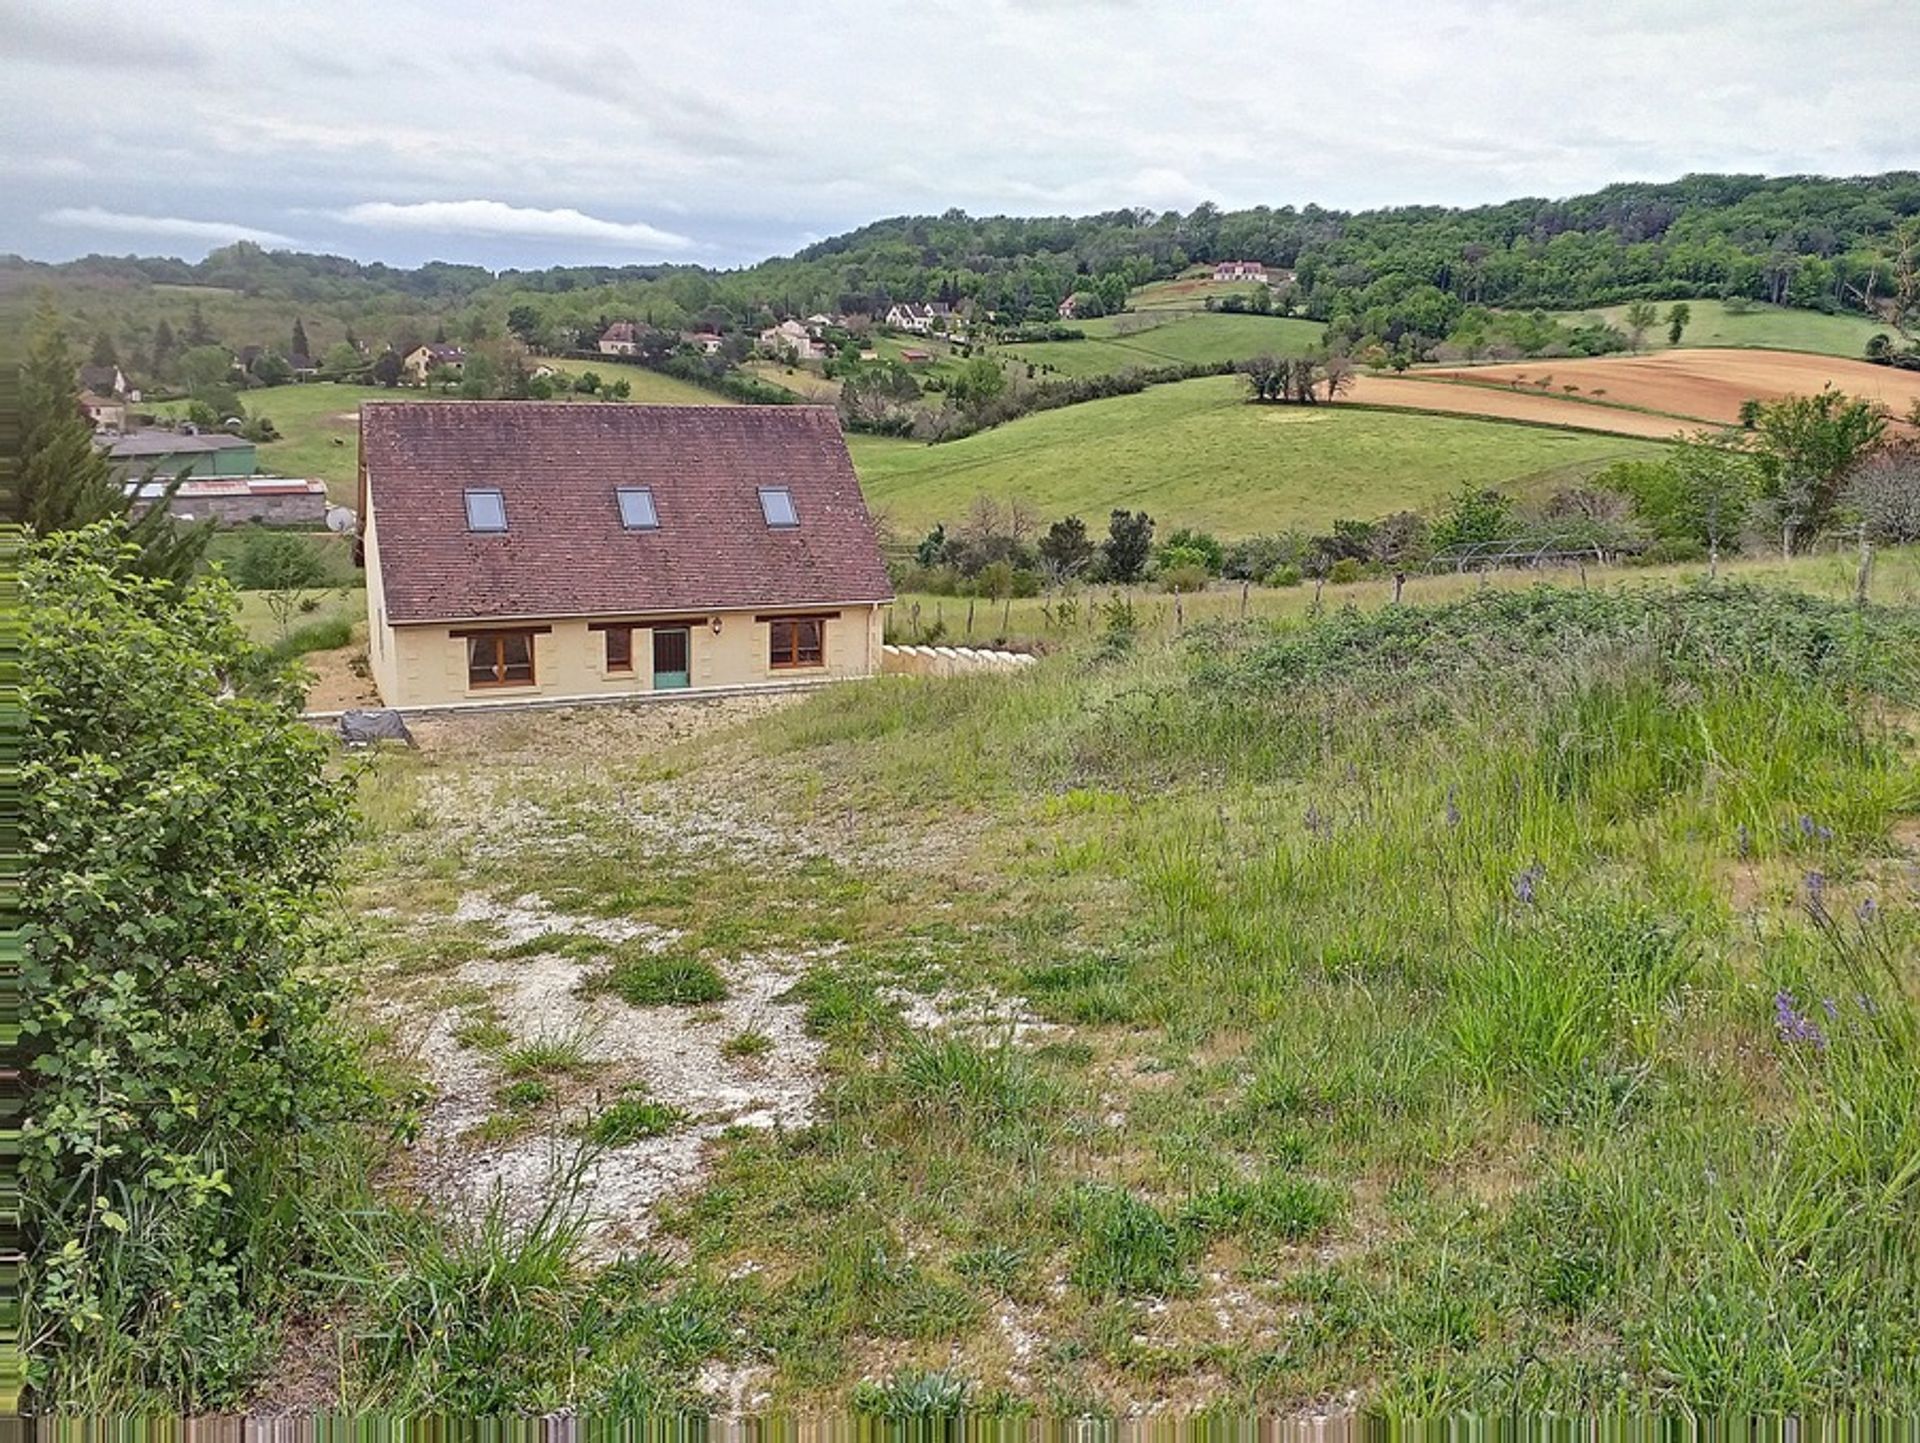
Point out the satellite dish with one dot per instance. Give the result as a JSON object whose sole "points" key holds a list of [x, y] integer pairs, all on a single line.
{"points": [[341, 519]]}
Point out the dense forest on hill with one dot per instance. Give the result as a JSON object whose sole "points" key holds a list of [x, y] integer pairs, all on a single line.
{"points": [[1838, 245]]}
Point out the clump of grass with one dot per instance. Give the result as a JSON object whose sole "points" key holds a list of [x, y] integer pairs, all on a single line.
{"points": [[481, 1033], [662, 979], [989, 1085], [1125, 1246], [545, 1057], [750, 1043], [523, 1095], [632, 1119], [556, 944], [1280, 1205]]}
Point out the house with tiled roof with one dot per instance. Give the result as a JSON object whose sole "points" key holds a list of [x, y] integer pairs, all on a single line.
{"points": [[422, 361], [1239, 271], [527, 551], [622, 338]]}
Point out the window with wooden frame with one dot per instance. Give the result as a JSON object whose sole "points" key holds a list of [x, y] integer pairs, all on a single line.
{"points": [[499, 658], [619, 648], [794, 641]]}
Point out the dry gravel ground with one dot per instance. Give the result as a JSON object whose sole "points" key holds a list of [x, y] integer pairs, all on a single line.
{"points": [[675, 1054], [505, 791]]}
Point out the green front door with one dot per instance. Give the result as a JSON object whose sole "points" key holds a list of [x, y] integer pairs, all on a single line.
{"points": [[671, 649]]}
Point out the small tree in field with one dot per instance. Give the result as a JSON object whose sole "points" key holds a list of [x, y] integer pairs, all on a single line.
{"points": [[1884, 491], [1129, 544], [1678, 317], [1716, 482], [1066, 550], [285, 566], [1642, 316]]}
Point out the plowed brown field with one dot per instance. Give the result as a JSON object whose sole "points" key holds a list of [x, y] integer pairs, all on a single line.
{"points": [[1706, 385], [1499, 403]]}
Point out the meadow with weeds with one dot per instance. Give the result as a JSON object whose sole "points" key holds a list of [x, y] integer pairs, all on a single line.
{"points": [[1503, 1003], [1507, 1003]]}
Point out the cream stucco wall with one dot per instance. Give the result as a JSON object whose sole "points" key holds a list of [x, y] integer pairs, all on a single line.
{"points": [[426, 665]]}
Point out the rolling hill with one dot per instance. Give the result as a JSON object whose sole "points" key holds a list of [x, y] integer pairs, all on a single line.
{"points": [[1196, 454]]}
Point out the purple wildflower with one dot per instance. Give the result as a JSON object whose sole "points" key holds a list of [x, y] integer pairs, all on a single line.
{"points": [[1817, 895], [1525, 884], [1867, 911], [1318, 825], [1793, 1025], [1453, 806], [1832, 1009]]}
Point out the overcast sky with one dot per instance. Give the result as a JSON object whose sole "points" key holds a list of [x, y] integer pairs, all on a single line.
{"points": [[534, 133]]}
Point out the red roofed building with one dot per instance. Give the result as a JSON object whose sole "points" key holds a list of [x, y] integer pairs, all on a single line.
{"points": [[524, 551]]}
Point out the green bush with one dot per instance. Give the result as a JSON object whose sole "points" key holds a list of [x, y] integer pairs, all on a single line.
{"points": [[182, 844], [1288, 575], [1184, 579], [1344, 571]]}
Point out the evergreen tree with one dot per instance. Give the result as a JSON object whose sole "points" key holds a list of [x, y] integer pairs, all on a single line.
{"points": [[299, 339], [103, 351], [66, 482], [164, 348], [198, 332]]}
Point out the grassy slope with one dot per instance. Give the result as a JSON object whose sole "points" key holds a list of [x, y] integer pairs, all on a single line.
{"points": [[1121, 343], [1324, 1100], [1195, 454], [1763, 327]]}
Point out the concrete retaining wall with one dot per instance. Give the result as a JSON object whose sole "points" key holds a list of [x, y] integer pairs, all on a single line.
{"points": [[948, 660]]}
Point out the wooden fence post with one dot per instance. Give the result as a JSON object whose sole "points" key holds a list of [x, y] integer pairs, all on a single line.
{"points": [[970, 601], [1245, 587], [1179, 612], [1863, 584], [1399, 584]]}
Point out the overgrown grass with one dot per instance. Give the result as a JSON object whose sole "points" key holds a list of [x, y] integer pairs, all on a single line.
{"points": [[1439, 996]]}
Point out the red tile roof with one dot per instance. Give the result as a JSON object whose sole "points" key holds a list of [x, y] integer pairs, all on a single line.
{"points": [[565, 553]]}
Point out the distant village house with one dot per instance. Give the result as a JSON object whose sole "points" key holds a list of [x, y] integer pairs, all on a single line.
{"points": [[917, 318], [1240, 271], [622, 338], [423, 359]]}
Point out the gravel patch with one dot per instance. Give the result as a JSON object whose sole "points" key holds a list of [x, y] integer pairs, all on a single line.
{"points": [[673, 1053]]}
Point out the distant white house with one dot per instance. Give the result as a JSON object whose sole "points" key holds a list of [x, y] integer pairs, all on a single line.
{"points": [[918, 318], [106, 381], [791, 340], [622, 338], [107, 413], [1240, 271], [708, 342]]}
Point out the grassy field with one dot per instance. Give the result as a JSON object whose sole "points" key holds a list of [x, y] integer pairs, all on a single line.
{"points": [[1196, 454], [1141, 340], [1504, 1006], [1049, 623], [650, 387], [1766, 327], [1184, 292]]}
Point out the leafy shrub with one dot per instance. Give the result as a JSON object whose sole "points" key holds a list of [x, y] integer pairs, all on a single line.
{"points": [[1288, 575], [1185, 579], [1345, 570], [913, 1395], [180, 845]]}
